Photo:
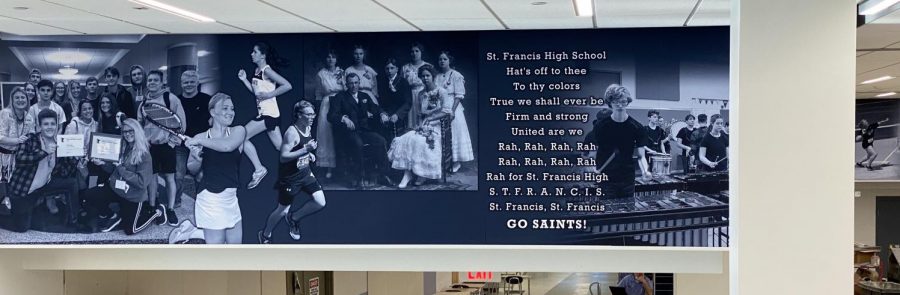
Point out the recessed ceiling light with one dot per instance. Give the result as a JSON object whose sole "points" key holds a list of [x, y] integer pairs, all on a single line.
{"points": [[539, 3], [886, 94], [175, 11], [163, 68], [877, 7], [68, 71], [879, 79], [202, 53], [20, 8], [586, 7], [67, 57]]}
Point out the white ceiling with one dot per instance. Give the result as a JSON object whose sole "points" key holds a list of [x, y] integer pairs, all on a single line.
{"points": [[54, 17], [878, 55]]}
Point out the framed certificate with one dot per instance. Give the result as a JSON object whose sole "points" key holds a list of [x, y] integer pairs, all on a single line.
{"points": [[69, 145], [105, 146]]}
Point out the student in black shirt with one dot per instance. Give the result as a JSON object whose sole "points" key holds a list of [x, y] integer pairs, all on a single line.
{"points": [[616, 138], [684, 141], [667, 147], [655, 134], [868, 139], [295, 176], [714, 147], [697, 136], [124, 100], [195, 104], [603, 113], [656, 137]]}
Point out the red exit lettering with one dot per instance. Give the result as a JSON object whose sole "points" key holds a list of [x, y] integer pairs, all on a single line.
{"points": [[480, 275]]}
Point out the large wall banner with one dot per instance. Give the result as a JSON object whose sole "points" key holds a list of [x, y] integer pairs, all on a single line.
{"points": [[555, 137]]}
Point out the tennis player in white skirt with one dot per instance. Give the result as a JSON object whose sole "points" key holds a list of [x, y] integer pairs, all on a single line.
{"points": [[216, 154]]}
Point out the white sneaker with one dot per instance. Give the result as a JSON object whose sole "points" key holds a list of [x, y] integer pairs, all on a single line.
{"points": [[182, 233]]}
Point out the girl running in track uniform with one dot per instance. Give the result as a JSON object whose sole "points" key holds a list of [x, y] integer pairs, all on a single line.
{"points": [[265, 84]]}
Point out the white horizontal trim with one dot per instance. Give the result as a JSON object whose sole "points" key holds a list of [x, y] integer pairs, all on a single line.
{"points": [[375, 258]]}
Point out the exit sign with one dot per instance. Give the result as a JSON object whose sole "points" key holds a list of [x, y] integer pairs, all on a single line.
{"points": [[479, 276]]}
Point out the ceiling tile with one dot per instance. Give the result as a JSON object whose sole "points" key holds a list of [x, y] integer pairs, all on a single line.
{"points": [[875, 60], [19, 27], [458, 24], [254, 16], [125, 10], [445, 15], [64, 17], [873, 36], [642, 13], [712, 13], [519, 14], [346, 15]]}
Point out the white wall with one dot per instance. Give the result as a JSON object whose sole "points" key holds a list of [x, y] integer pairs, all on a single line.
{"points": [[15, 280], [792, 202], [350, 282], [864, 208], [396, 283], [702, 284]]}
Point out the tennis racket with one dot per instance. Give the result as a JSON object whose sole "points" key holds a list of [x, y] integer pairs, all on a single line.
{"points": [[163, 117]]}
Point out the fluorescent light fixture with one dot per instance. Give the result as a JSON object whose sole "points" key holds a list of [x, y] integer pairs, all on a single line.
{"points": [[68, 71], [163, 68], [586, 7], [876, 8], [886, 94], [68, 57], [879, 79], [175, 11]]}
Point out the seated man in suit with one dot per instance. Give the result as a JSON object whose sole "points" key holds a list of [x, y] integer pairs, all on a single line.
{"points": [[355, 118]]}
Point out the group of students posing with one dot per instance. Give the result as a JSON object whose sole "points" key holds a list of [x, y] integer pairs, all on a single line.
{"points": [[212, 153], [619, 138]]}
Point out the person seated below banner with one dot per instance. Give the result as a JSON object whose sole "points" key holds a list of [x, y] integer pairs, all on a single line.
{"points": [[637, 284]]}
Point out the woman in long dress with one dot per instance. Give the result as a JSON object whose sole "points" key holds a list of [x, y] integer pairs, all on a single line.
{"points": [[368, 82], [418, 152], [330, 81], [411, 73], [455, 84]]}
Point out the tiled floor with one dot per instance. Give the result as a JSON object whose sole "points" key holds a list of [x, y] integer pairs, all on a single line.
{"points": [[569, 283]]}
